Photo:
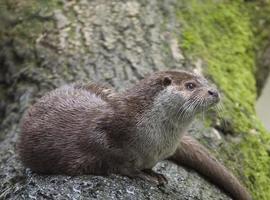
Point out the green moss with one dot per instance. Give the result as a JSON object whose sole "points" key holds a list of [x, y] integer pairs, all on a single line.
{"points": [[259, 13], [25, 19], [220, 33], [22, 23]]}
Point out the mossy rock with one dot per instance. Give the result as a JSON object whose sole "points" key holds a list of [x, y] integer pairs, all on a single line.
{"points": [[221, 35], [129, 40]]}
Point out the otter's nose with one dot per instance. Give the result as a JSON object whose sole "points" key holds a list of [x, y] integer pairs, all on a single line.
{"points": [[213, 93]]}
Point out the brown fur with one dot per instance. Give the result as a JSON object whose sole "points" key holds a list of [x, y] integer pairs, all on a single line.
{"points": [[88, 129]]}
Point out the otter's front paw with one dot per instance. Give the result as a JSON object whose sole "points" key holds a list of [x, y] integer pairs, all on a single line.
{"points": [[154, 177]]}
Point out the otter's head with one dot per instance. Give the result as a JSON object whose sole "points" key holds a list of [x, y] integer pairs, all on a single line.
{"points": [[186, 93]]}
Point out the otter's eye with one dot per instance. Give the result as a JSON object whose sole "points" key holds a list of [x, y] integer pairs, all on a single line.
{"points": [[190, 86]]}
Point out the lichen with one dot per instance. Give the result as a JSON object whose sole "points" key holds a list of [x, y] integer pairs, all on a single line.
{"points": [[21, 16], [221, 34]]}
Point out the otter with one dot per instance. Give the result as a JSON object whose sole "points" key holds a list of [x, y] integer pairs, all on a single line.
{"points": [[90, 129]]}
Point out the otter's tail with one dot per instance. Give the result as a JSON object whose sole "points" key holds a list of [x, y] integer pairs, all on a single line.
{"points": [[193, 155]]}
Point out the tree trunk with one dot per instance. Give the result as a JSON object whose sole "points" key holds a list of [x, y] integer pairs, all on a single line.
{"points": [[45, 44]]}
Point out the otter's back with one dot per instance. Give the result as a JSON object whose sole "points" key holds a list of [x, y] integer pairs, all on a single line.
{"points": [[57, 124]]}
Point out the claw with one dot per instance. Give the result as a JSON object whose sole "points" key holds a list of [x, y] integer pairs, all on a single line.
{"points": [[152, 176]]}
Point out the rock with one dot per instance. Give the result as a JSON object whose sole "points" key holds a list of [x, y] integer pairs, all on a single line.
{"points": [[103, 41]]}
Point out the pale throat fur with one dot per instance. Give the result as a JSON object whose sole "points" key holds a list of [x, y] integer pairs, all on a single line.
{"points": [[160, 127]]}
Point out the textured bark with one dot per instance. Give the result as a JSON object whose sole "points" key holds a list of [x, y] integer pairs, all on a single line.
{"points": [[45, 45]]}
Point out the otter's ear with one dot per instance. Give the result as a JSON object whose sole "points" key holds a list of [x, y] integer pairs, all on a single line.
{"points": [[166, 81]]}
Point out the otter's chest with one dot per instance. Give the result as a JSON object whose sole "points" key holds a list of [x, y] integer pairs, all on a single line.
{"points": [[159, 143]]}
